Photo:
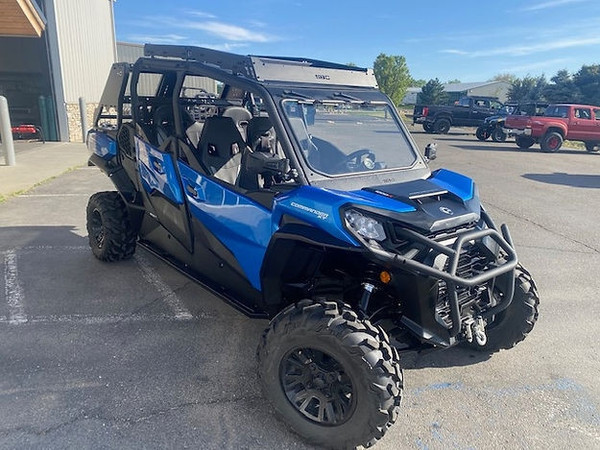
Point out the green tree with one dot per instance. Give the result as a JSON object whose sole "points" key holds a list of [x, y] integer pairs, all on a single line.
{"points": [[392, 76], [562, 89], [433, 93], [417, 83], [454, 81], [587, 81], [528, 89], [507, 77]]}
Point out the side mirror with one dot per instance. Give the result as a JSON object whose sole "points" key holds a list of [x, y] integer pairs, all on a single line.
{"points": [[431, 151]]}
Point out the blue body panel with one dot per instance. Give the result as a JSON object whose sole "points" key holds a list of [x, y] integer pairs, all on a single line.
{"points": [[454, 182], [157, 172], [102, 144], [321, 208], [246, 227], [242, 225]]}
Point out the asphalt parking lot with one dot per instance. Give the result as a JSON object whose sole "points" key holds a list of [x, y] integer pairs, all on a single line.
{"points": [[134, 355]]}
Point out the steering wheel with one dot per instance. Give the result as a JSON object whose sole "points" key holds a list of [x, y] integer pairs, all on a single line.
{"points": [[363, 159]]}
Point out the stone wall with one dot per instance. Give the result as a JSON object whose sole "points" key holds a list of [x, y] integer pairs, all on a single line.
{"points": [[74, 120]]}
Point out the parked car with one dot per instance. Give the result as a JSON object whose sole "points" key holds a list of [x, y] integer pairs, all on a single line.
{"points": [[493, 126], [467, 112], [297, 195], [559, 122]]}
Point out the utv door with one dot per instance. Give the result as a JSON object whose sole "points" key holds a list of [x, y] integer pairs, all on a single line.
{"points": [[241, 226], [163, 191]]}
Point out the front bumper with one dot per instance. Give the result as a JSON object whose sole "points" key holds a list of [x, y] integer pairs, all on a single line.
{"points": [[500, 269]]}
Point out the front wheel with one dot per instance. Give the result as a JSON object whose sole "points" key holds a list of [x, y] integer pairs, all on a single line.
{"points": [[332, 377], [513, 324], [498, 135], [592, 147], [111, 236], [428, 127]]}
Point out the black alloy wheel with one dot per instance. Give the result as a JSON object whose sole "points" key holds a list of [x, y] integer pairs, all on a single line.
{"points": [[317, 385]]}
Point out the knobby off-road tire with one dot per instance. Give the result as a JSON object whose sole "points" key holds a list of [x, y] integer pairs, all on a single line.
{"points": [[551, 142], [498, 135], [428, 127], [513, 324], [482, 133], [110, 234], [333, 378], [524, 142]]}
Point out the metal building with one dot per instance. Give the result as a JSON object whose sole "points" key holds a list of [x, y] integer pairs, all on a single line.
{"points": [[455, 91], [52, 52]]}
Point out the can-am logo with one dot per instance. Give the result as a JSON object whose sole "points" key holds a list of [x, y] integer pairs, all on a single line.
{"points": [[446, 210], [322, 77]]}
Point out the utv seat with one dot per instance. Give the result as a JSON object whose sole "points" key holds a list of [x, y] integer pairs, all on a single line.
{"points": [[241, 117], [164, 122], [221, 148], [261, 135]]}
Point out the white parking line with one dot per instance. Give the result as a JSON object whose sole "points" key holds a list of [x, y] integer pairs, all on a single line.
{"points": [[152, 277], [109, 319], [13, 289], [53, 195], [14, 294]]}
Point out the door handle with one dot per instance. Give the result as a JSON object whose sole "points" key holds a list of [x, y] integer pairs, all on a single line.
{"points": [[157, 165], [191, 190]]}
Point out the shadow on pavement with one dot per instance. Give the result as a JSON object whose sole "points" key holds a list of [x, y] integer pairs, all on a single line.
{"points": [[566, 179]]}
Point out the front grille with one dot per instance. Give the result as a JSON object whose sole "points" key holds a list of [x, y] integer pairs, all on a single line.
{"points": [[471, 263]]}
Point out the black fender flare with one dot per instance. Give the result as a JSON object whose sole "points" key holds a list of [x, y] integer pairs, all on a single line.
{"points": [[294, 255]]}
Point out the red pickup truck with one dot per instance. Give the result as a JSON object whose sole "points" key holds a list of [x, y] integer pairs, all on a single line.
{"points": [[559, 122]]}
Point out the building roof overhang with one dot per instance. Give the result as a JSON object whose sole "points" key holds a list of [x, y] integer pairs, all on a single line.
{"points": [[21, 18]]}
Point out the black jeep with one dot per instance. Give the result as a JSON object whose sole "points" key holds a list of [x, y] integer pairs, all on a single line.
{"points": [[292, 189]]}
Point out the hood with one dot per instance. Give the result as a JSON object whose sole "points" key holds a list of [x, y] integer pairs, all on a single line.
{"points": [[445, 200]]}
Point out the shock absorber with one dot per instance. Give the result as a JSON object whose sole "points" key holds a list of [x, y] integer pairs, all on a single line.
{"points": [[369, 286]]}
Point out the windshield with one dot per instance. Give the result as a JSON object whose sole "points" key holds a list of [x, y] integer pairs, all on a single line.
{"points": [[344, 137]]}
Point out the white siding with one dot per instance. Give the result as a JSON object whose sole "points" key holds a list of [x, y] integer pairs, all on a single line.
{"points": [[498, 89], [129, 52], [86, 42]]}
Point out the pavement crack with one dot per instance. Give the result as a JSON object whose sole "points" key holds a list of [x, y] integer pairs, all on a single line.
{"points": [[29, 429], [564, 236]]}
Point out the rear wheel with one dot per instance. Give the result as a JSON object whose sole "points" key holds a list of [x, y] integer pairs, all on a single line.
{"points": [[482, 133], [524, 141], [441, 126], [513, 324], [551, 142], [498, 135], [111, 236], [332, 377], [592, 147], [428, 127]]}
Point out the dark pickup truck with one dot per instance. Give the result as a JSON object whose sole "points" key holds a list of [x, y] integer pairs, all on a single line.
{"points": [[467, 112]]}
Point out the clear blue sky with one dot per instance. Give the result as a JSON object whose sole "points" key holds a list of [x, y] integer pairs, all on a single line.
{"points": [[466, 40]]}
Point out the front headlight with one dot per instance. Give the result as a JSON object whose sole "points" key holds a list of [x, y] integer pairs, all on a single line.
{"points": [[364, 226]]}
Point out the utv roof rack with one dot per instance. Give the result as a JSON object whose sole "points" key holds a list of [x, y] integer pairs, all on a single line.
{"points": [[269, 69]]}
